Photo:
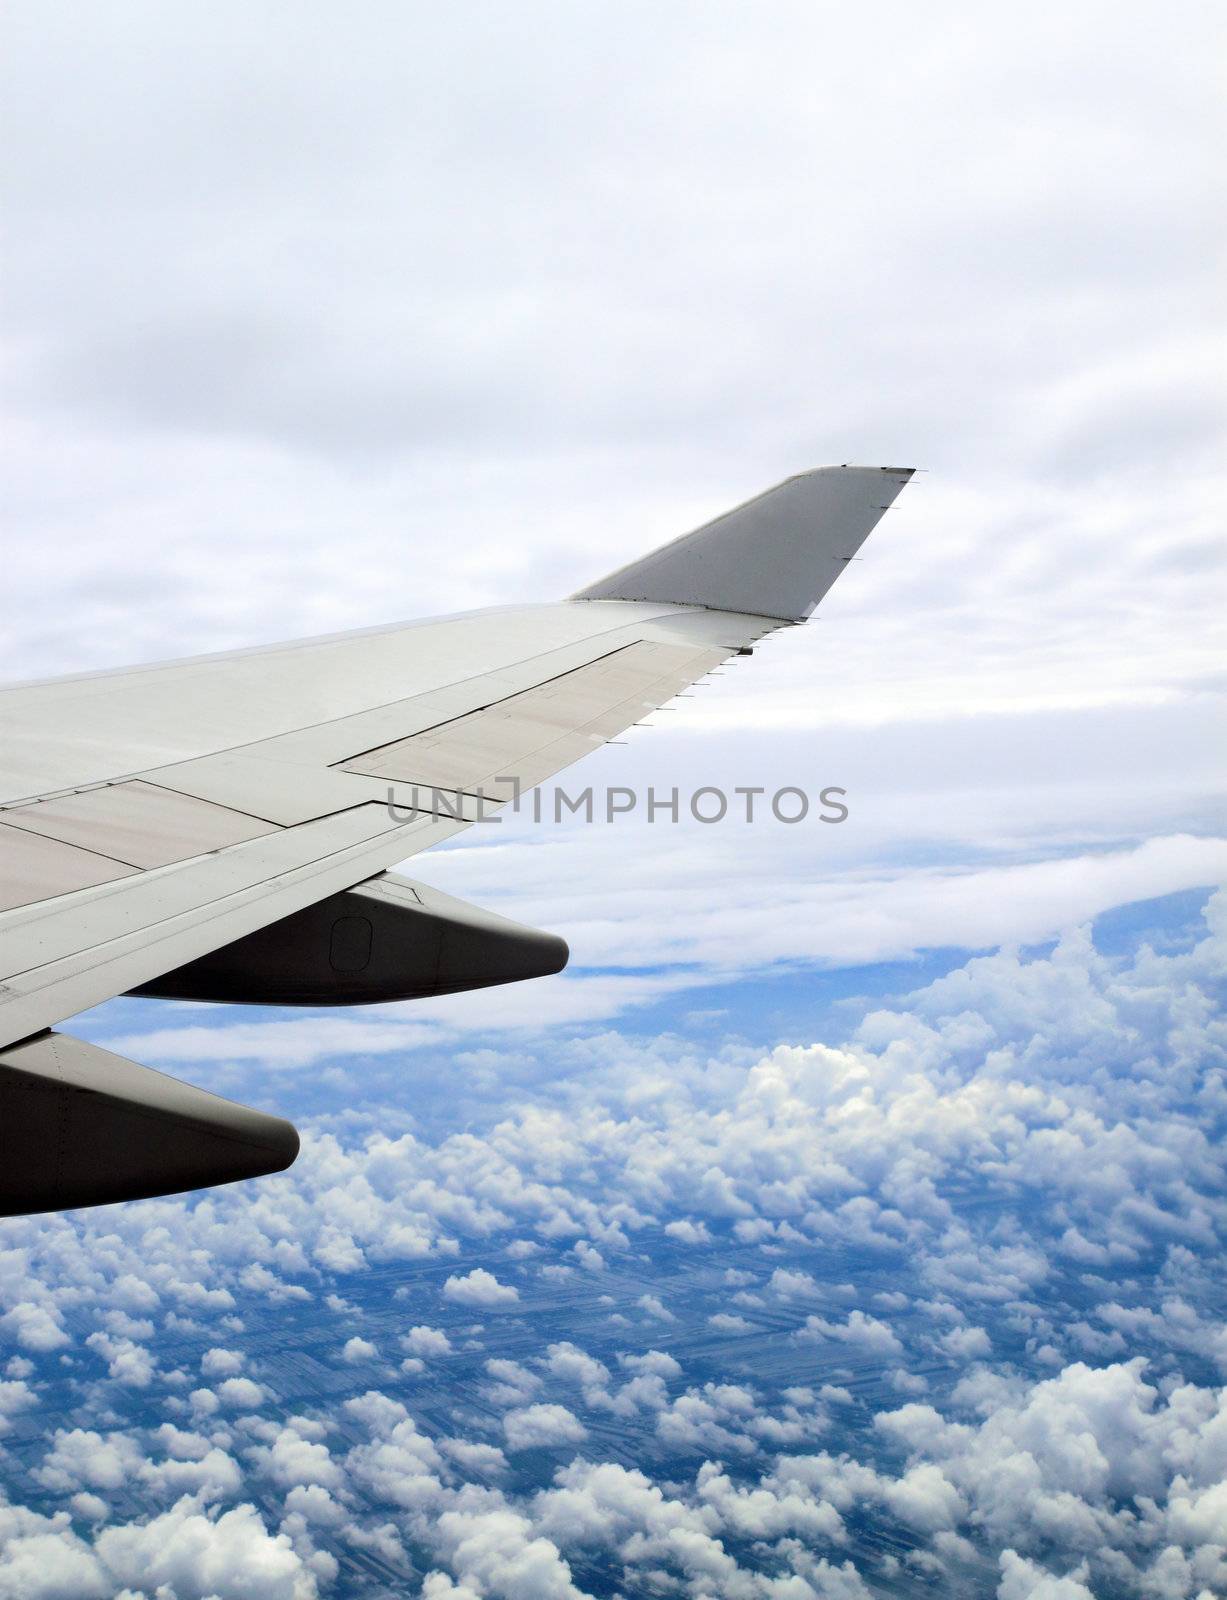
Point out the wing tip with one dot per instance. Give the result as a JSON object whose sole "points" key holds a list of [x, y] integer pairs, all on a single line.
{"points": [[772, 555]]}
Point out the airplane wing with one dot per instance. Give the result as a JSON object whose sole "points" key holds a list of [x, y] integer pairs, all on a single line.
{"points": [[219, 827]]}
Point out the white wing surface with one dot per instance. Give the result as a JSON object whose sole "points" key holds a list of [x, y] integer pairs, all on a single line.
{"points": [[170, 828]]}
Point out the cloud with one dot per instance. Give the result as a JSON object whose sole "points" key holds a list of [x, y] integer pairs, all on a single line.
{"points": [[220, 1363], [292, 1461], [656, 1363], [34, 1327], [687, 1231], [655, 1307], [542, 1426], [213, 1476], [80, 1458], [1059, 1460], [484, 1460], [355, 1350], [256, 409], [860, 1330], [573, 1365], [966, 1344], [912, 1192], [716, 1419], [866, 1139], [126, 1362], [294, 1043], [1003, 784], [479, 1288], [424, 1341], [241, 391], [231, 1555], [91, 1507], [773, 909], [817, 910], [15, 1396], [242, 1393], [793, 1285], [1023, 1580], [40, 1559], [514, 1384]]}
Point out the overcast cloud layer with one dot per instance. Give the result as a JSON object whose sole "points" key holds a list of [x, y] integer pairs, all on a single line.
{"points": [[314, 321], [314, 324]]}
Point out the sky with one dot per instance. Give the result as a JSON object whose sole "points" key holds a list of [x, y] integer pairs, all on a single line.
{"points": [[848, 1220]]}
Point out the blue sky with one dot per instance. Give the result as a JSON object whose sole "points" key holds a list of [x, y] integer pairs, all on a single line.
{"points": [[848, 1219]]}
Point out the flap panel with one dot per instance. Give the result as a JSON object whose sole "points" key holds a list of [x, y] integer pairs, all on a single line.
{"points": [[541, 730], [34, 868], [137, 823]]}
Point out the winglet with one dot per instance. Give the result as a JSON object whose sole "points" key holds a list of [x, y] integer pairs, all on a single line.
{"points": [[774, 556]]}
